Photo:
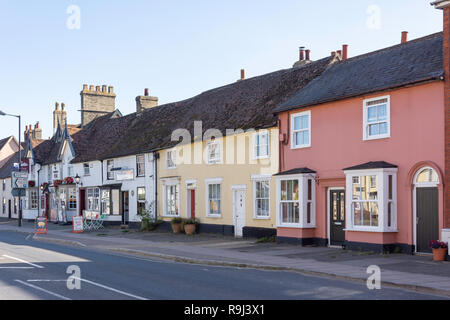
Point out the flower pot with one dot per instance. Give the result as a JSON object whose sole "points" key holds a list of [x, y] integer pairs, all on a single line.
{"points": [[176, 227], [439, 254], [189, 229], [145, 225]]}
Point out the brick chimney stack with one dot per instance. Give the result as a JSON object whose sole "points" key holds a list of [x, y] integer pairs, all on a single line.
{"points": [[404, 36], [304, 57], [145, 102], [37, 132], [445, 6], [59, 115], [96, 102]]}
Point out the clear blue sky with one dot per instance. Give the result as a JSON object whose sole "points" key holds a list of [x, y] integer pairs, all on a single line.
{"points": [[177, 49]]}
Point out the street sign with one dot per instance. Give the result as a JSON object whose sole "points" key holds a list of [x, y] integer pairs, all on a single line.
{"points": [[15, 192], [19, 179]]}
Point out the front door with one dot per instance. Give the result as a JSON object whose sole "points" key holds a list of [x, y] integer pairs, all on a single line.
{"points": [[9, 209], [337, 217], [125, 208], [191, 203], [427, 217], [239, 212]]}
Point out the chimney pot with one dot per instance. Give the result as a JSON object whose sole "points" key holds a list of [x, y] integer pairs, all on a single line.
{"points": [[85, 87], [63, 106], [146, 92], [333, 53], [56, 106], [308, 52], [242, 74], [97, 88], [404, 36], [345, 52], [104, 88], [302, 53], [111, 89], [339, 52], [91, 88]]}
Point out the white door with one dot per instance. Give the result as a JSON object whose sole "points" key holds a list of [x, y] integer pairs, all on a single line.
{"points": [[239, 212]]}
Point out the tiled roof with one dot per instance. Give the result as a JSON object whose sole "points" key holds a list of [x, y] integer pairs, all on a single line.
{"points": [[372, 165], [4, 141], [409, 63], [246, 104], [7, 168], [296, 171]]}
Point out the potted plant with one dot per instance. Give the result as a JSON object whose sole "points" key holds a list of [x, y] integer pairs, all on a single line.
{"points": [[176, 225], [145, 219], [439, 250], [31, 184], [190, 226]]}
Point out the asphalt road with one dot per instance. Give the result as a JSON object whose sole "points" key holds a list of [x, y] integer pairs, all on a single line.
{"points": [[33, 270]]}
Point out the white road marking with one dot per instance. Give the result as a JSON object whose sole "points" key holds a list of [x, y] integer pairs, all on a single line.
{"points": [[43, 290], [23, 261], [111, 289], [45, 280], [28, 237], [16, 267]]}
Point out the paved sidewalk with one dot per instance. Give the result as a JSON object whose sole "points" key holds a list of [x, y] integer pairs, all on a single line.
{"points": [[412, 272]]}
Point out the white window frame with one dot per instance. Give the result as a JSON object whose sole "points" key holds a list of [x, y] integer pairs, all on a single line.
{"points": [[88, 171], [208, 182], [256, 146], [218, 158], [383, 200], [366, 136], [302, 201], [294, 145], [140, 164], [96, 200], [109, 169], [172, 156], [259, 179], [34, 202], [71, 192], [170, 183]]}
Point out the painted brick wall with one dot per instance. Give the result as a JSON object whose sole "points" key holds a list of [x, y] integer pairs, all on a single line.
{"points": [[447, 115]]}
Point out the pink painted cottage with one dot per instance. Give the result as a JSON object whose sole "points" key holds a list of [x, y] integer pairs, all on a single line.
{"points": [[363, 151]]}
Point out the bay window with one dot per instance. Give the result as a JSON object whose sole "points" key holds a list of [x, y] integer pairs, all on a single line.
{"points": [[296, 199], [371, 202]]}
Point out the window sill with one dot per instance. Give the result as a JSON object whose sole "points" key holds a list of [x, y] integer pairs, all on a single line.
{"points": [[296, 226], [376, 138], [300, 147], [371, 230], [214, 216], [261, 218]]}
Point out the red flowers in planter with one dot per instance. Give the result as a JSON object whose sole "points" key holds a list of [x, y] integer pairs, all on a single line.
{"points": [[68, 180], [56, 183], [31, 184]]}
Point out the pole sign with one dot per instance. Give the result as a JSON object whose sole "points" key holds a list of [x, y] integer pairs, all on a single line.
{"points": [[78, 224], [40, 225], [19, 180]]}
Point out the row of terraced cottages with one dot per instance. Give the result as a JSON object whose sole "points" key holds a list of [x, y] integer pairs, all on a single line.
{"points": [[338, 151]]}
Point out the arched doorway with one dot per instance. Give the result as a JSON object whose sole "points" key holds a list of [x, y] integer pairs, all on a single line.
{"points": [[426, 208]]}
